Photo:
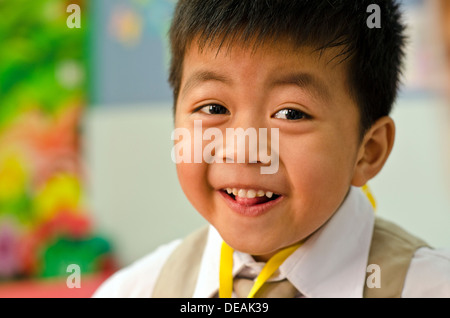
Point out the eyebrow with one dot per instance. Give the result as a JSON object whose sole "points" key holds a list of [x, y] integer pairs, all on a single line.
{"points": [[202, 77], [303, 80]]}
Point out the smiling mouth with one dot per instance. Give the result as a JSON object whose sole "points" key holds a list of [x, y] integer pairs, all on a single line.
{"points": [[249, 202], [250, 197]]}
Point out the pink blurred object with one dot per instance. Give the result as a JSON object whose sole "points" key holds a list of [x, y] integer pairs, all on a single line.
{"points": [[53, 288], [50, 143], [9, 245], [65, 223]]}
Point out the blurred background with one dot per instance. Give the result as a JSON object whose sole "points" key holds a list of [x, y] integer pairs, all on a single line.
{"points": [[86, 175]]}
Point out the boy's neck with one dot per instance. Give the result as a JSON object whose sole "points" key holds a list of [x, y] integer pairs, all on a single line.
{"points": [[263, 258]]}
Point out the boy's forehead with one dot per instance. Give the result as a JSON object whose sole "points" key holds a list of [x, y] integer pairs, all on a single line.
{"points": [[304, 66]]}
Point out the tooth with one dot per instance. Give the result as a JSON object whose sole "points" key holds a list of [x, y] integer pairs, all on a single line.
{"points": [[251, 194], [260, 193], [242, 193], [235, 191], [269, 194], [229, 190]]}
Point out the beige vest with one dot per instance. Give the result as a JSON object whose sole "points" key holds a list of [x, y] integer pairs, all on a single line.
{"points": [[392, 249]]}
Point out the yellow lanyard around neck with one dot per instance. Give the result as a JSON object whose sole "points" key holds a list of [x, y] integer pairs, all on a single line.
{"points": [[366, 190], [226, 269], [226, 262]]}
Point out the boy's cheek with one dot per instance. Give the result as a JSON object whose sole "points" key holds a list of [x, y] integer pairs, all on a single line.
{"points": [[188, 174], [193, 181]]}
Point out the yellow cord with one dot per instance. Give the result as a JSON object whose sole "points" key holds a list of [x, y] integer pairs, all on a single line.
{"points": [[226, 262], [226, 269], [365, 188]]}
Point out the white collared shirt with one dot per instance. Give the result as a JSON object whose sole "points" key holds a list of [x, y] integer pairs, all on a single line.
{"points": [[331, 263]]}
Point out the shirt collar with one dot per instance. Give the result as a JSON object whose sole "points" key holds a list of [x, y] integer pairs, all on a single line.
{"points": [[331, 263]]}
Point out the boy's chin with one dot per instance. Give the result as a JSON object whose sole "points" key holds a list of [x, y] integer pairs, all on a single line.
{"points": [[260, 247]]}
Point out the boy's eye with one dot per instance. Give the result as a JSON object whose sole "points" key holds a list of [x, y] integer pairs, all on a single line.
{"points": [[291, 114], [214, 109]]}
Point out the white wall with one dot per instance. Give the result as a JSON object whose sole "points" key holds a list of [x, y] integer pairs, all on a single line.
{"points": [[413, 189], [133, 189], [137, 201]]}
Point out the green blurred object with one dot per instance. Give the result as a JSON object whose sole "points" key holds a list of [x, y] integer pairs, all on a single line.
{"points": [[36, 44], [66, 251], [44, 223]]}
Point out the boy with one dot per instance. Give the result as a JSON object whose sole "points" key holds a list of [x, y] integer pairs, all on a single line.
{"points": [[316, 76]]}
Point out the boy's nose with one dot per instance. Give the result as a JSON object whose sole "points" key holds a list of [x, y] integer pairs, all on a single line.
{"points": [[250, 146], [246, 137], [241, 145]]}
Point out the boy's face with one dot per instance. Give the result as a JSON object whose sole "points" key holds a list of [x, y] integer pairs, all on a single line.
{"points": [[307, 99]]}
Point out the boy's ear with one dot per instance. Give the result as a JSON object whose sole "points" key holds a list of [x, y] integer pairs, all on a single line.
{"points": [[374, 150]]}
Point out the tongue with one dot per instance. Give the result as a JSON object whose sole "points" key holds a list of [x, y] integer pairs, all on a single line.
{"points": [[249, 202]]}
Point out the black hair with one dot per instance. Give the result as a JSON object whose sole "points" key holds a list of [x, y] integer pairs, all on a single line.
{"points": [[373, 54]]}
